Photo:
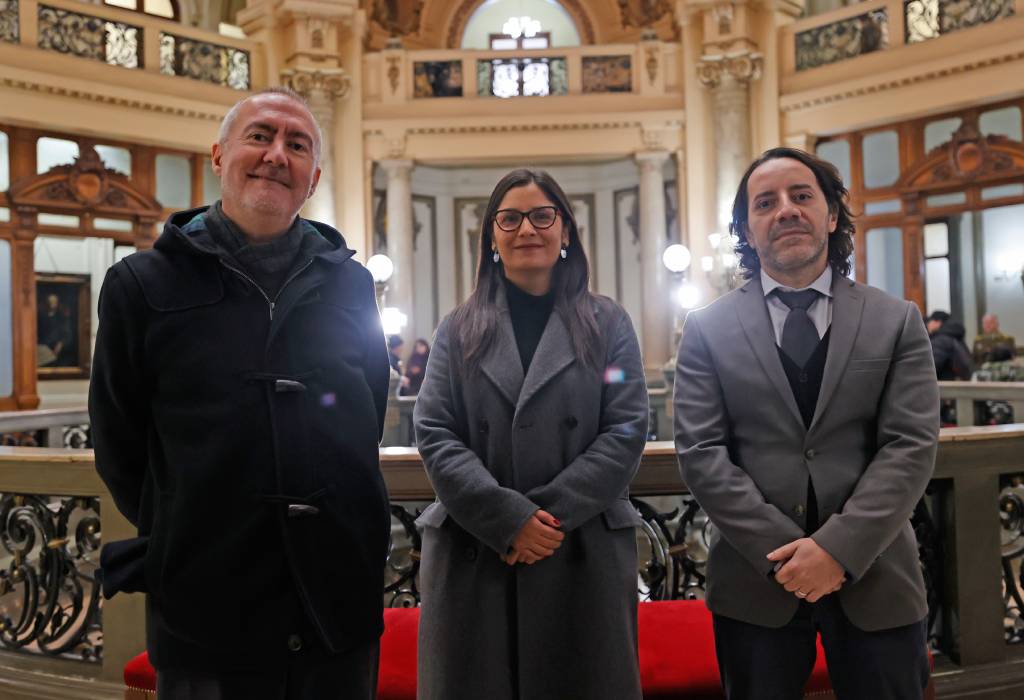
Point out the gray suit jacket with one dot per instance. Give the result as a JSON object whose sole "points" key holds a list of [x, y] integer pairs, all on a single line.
{"points": [[745, 454]]}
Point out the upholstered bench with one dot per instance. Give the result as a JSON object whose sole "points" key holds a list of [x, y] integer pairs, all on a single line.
{"points": [[677, 657]]}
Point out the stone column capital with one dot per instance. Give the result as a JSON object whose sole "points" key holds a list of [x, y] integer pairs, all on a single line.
{"points": [[397, 168], [332, 83], [720, 64], [651, 160]]}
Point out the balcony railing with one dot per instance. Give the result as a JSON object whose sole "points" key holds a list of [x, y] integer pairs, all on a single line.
{"points": [[877, 25], [649, 68], [129, 40], [970, 535]]}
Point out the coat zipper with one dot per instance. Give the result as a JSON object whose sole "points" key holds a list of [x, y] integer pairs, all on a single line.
{"points": [[272, 303]]}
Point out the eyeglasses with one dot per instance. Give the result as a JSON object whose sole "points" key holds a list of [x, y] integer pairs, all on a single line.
{"points": [[511, 219]]}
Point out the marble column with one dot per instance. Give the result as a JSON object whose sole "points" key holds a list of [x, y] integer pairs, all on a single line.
{"points": [[657, 321], [321, 88], [399, 234], [728, 76]]}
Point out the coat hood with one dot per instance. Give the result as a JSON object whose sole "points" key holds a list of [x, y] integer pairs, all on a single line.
{"points": [[186, 232]]}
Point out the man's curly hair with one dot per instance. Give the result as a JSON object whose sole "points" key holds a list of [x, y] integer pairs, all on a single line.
{"points": [[840, 243]]}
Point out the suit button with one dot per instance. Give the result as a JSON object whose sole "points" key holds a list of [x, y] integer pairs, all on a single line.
{"points": [[470, 553], [571, 422], [294, 642], [803, 377], [485, 427], [810, 454], [799, 509]]}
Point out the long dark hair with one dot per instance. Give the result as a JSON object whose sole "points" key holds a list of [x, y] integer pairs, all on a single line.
{"points": [[840, 243], [475, 321]]}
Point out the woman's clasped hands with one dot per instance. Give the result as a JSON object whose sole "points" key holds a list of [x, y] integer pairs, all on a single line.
{"points": [[538, 539]]}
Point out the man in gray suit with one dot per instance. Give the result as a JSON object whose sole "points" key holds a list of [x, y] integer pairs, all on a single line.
{"points": [[806, 419]]}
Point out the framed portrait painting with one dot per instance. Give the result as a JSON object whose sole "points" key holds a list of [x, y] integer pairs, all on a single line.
{"points": [[63, 313]]}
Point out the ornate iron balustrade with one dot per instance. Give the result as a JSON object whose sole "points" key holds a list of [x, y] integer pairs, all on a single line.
{"points": [[929, 19], [842, 40], [9, 25], [202, 60], [50, 602], [86, 36]]}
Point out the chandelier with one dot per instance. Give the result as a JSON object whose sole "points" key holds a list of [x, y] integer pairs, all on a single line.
{"points": [[516, 27]]}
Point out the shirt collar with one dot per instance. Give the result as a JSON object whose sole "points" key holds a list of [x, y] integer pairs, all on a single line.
{"points": [[823, 284]]}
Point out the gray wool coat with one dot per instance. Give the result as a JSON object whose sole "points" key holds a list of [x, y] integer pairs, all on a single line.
{"points": [[497, 446]]}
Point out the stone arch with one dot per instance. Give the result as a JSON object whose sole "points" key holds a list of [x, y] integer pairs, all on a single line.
{"points": [[458, 19]]}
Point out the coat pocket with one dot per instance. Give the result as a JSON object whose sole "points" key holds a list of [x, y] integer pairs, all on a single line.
{"points": [[433, 516], [621, 515], [872, 365]]}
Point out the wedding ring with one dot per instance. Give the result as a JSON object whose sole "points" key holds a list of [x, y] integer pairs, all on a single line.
{"points": [[800, 594]]}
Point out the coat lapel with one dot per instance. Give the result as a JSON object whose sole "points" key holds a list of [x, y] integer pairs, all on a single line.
{"points": [[757, 325], [502, 364], [554, 353], [847, 309]]}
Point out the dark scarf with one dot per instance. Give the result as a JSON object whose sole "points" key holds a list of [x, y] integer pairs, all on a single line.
{"points": [[270, 263]]}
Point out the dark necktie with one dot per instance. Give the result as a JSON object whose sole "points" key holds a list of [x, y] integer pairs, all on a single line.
{"points": [[799, 335]]}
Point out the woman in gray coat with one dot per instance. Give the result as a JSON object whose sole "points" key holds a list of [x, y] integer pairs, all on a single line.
{"points": [[531, 422]]}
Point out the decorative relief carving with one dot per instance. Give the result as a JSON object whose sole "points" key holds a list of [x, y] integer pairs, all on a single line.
{"points": [[394, 72], [842, 40], [9, 30], [397, 17], [652, 63], [642, 13], [607, 74], [723, 15], [332, 82], [437, 79], [971, 155]]}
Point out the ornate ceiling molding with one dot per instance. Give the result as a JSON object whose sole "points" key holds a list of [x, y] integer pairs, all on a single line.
{"points": [[536, 127], [789, 104], [90, 96]]}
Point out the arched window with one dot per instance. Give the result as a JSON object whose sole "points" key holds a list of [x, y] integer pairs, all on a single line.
{"points": [[520, 24], [158, 8]]}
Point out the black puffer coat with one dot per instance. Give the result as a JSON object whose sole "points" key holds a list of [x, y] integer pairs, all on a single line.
{"points": [[242, 436]]}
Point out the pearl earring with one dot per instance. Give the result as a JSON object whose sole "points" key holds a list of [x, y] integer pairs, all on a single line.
{"points": [[564, 254], [496, 256]]}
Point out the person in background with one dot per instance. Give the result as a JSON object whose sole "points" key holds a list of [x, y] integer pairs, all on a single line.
{"points": [[531, 422], [395, 344], [414, 368], [990, 339], [952, 359]]}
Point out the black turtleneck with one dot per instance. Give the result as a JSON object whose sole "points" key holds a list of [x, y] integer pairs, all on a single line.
{"points": [[529, 316]]}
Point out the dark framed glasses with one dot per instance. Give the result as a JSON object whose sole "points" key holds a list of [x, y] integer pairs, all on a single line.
{"points": [[511, 219]]}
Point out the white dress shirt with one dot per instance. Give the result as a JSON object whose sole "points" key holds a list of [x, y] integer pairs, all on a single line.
{"points": [[820, 311]]}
